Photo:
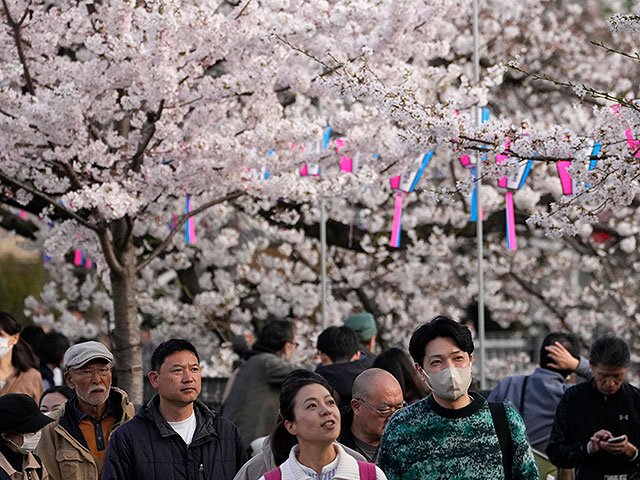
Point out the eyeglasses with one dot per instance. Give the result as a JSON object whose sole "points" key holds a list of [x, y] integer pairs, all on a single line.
{"points": [[90, 372], [386, 410]]}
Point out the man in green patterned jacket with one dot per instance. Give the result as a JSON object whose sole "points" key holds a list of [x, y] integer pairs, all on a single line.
{"points": [[450, 434]]}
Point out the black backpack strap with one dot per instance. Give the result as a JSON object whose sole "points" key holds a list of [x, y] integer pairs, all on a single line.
{"points": [[501, 425], [524, 388]]}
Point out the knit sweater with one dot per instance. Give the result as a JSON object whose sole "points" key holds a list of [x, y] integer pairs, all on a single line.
{"points": [[426, 441]]}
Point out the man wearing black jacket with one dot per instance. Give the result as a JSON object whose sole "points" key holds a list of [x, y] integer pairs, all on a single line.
{"points": [[340, 360], [597, 424], [175, 436]]}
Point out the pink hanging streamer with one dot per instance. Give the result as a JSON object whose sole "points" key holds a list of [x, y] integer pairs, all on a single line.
{"points": [[190, 227], [634, 145], [511, 223], [78, 257], [397, 218], [346, 164], [565, 178]]}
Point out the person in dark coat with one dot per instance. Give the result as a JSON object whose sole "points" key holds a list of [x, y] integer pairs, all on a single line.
{"points": [[340, 359], [597, 424], [175, 436]]}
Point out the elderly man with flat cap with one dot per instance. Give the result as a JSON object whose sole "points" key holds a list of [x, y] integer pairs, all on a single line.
{"points": [[74, 446], [21, 424]]}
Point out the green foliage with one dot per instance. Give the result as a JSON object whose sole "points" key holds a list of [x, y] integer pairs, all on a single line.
{"points": [[18, 280]]}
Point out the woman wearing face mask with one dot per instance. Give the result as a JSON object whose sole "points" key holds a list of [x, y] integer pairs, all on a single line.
{"points": [[307, 429], [18, 364], [20, 428]]}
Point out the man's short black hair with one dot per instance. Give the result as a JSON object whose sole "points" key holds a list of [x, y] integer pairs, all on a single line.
{"points": [[610, 351], [340, 344], [439, 326], [274, 335], [568, 340], [167, 348]]}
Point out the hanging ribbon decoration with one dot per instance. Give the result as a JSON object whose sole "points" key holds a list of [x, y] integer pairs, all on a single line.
{"points": [[594, 161], [190, 227], [565, 178], [262, 173], [512, 183], [470, 162], [78, 257], [315, 148], [402, 184]]}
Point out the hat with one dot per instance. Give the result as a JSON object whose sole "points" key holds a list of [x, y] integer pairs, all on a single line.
{"points": [[81, 353], [363, 324], [20, 414]]}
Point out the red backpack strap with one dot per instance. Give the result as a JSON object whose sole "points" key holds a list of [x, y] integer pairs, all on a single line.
{"points": [[274, 474], [367, 470]]}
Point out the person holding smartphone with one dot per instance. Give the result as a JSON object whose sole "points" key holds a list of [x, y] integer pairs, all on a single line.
{"points": [[597, 424]]}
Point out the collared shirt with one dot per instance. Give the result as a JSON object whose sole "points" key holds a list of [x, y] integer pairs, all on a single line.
{"points": [[95, 432]]}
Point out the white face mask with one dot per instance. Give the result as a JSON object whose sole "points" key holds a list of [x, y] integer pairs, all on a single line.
{"points": [[29, 442], [450, 383], [4, 346]]}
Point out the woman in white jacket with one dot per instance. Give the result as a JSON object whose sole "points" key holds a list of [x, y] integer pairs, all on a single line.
{"points": [[309, 416]]}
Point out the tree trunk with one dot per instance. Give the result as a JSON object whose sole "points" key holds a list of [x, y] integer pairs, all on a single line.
{"points": [[126, 334]]}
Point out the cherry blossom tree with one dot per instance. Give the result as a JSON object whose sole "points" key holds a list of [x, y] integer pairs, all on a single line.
{"points": [[113, 113]]}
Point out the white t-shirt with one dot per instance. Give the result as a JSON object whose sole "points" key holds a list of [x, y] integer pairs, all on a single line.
{"points": [[185, 428]]}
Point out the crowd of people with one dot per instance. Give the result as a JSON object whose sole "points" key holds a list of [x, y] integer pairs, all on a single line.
{"points": [[396, 415]]}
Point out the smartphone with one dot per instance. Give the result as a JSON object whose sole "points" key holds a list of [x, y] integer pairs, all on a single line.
{"points": [[616, 439]]}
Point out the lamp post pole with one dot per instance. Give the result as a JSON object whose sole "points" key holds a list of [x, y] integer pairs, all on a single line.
{"points": [[479, 239]]}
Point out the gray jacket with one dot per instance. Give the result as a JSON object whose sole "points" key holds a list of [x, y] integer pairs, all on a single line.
{"points": [[543, 392], [254, 398]]}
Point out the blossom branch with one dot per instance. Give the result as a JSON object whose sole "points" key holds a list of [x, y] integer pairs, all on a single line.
{"points": [[50, 200], [635, 56], [584, 89]]}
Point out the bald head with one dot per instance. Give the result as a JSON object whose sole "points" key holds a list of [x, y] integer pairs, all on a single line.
{"points": [[376, 396], [375, 382]]}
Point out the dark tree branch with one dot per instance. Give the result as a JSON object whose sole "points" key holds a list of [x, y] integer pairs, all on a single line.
{"points": [[50, 200], [180, 223], [148, 131], [17, 38], [527, 287]]}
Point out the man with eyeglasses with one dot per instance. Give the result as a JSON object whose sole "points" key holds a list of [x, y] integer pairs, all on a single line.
{"points": [[73, 447], [377, 395]]}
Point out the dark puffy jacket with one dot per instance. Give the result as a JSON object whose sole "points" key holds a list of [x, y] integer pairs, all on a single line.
{"points": [[147, 447]]}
